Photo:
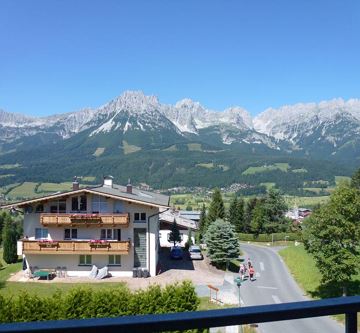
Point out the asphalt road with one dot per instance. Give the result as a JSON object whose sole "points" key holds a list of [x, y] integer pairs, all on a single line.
{"points": [[274, 284]]}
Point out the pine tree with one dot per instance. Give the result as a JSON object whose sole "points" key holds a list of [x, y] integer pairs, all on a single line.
{"points": [[203, 222], [217, 208], [9, 238], [174, 235], [222, 243], [236, 214]]}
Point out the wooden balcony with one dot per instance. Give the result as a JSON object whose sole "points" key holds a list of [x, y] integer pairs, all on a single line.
{"points": [[75, 247], [63, 220]]}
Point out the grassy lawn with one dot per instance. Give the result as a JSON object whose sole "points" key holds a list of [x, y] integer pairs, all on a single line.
{"points": [[303, 268], [268, 185]]}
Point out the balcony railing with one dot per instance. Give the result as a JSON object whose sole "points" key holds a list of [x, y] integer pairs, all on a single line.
{"points": [[78, 219], [201, 319], [81, 247]]}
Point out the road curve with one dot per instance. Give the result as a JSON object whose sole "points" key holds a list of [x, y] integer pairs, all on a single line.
{"points": [[274, 284]]}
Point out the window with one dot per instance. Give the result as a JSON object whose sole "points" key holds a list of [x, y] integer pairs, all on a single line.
{"points": [[85, 260], [118, 207], [99, 204], [139, 217], [79, 203], [110, 234], [70, 234], [39, 208], [114, 260], [58, 206], [41, 233]]}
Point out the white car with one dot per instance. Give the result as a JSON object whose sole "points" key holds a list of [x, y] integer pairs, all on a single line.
{"points": [[195, 253]]}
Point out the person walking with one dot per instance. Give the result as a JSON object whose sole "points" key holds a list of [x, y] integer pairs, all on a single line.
{"points": [[249, 263], [242, 271], [251, 273]]}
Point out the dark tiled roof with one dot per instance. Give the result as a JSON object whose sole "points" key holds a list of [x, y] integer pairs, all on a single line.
{"points": [[140, 195]]}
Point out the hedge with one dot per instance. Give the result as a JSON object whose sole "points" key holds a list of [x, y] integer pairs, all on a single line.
{"points": [[268, 238], [81, 303]]}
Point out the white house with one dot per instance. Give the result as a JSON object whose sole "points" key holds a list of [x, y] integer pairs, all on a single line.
{"points": [[167, 218], [107, 225]]}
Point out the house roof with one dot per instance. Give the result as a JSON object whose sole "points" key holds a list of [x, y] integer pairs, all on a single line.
{"points": [[190, 214], [116, 192], [170, 216]]}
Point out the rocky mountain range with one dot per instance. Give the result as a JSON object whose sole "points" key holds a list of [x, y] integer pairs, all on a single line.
{"points": [[134, 122], [330, 128]]}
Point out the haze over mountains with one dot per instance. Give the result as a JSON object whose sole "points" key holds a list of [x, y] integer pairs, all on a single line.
{"points": [[134, 125]]}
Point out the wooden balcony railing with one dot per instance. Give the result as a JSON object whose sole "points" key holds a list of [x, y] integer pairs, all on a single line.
{"points": [[59, 219], [80, 247]]}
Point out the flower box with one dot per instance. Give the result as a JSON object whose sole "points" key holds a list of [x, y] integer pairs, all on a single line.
{"points": [[99, 243], [48, 243]]}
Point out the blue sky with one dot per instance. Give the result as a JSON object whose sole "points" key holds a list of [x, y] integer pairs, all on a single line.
{"points": [[60, 56]]}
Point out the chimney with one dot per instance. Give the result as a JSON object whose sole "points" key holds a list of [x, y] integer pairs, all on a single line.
{"points": [[75, 184], [108, 181], [129, 187]]}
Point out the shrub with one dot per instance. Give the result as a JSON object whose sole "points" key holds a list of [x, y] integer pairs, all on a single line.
{"points": [[81, 302]]}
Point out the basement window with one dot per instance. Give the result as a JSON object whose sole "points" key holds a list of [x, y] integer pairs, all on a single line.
{"points": [[85, 260], [114, 260]]}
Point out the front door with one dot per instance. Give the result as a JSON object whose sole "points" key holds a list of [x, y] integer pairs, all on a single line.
{"points": [[140, 247]]}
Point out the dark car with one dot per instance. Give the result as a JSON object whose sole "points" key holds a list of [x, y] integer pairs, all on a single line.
{"points": [[176, 252]]}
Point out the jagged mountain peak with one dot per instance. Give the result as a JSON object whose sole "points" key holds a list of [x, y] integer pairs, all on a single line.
{"points": [[133, 101]]}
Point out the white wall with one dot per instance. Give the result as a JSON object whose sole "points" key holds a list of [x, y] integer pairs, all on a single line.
{"points": [[32, 221], [163, 236]]}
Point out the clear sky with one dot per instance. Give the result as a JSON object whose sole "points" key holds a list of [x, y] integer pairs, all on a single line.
{"points": [[62, 55]]}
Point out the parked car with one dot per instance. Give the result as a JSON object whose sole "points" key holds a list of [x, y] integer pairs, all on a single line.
{"points": [[195, 253], [176, 252]]}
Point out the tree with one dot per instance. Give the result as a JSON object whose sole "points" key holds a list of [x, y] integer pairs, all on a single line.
{"points": [[236, 214], [203, 222], [222, 243], [217, 208], [355, 180], [260, 218], [174, 235], [275, 207], [9, 241], [249, 207], [332, 236]]}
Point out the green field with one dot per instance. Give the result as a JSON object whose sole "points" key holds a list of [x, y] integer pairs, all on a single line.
{"points": [[99, 152], [54, 187], [9, 166], [88, 179], [223, 167], [128, 149], [205, 165], [171, 148], [342, 179], [194, 147], [25, 190], [268, 185], [305, 201], [265, 168], [302, 170]]}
